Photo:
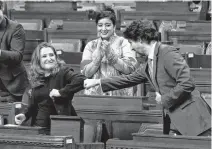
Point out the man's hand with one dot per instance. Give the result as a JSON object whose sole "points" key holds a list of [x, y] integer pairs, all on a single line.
{"points": [[158, 98], [88, 83], [54, 93]]}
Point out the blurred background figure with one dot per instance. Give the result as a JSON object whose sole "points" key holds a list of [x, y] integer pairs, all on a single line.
{"points": [[13, 76]]}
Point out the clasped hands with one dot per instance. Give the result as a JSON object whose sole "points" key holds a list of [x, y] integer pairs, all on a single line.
{"points": [[88, 83], [103, 46]]}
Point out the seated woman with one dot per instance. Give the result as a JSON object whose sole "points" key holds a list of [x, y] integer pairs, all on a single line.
{"points": [[53, 87], [109, 55]]}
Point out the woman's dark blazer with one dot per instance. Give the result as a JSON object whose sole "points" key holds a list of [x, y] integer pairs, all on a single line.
{"points": [[68, 83]]}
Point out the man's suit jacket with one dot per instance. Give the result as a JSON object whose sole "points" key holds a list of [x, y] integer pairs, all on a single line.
{"points": [[12, 70], [187, 110]]}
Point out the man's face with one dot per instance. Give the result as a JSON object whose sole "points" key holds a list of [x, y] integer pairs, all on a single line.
{"points": [[141, 48]]}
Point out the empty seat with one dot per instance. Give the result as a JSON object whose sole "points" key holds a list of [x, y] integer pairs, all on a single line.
{"points": [[56, 24], [67, 45], [33, 38], [31, 24], [79, 25], [71, 57], [196, 49], [198, 61]]}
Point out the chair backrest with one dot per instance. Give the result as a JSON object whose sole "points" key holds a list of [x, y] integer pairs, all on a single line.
{"points": [[78, 25], [196, 49], [198, 61], [71, 57], [47, 16], [49, 6], [170, 6], [188, 37], [67, 45], [31, 24], [33, 38]]}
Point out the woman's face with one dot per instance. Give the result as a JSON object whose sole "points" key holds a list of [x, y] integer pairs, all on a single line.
{"points": [[105, 28], [47, 58]]}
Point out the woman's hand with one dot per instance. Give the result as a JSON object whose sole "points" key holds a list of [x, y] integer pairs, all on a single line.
{"points": [[105, 46], [20, 118], [99, 52], [54, 93], [88, 83]]}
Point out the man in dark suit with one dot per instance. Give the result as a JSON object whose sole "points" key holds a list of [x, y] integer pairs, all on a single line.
{"points": [[169, 74], [13, 76]]}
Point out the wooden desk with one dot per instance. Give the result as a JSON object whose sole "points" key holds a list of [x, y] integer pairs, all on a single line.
{"points": [[160, 141], [167, 141], [121, 115], [67, 125], [15, 141], [22, 130], [97, 145]]}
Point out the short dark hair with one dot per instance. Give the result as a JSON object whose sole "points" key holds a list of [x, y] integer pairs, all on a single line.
{"points": [[107, 13], [142, 29]]}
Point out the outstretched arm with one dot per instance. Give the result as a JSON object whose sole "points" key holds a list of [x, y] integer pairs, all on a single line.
{"points": [[117, 82], [74, 83]]}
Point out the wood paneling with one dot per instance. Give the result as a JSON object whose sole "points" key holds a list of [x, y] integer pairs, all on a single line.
{"points": [[188, 37], [160, 141], [49, 15], [67, 125], [15, 141], [120, 115]]}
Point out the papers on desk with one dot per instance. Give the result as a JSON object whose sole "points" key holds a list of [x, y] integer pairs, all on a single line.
{"points": [[11, 125]]}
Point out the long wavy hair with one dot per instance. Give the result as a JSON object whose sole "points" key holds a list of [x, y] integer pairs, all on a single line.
{"points": [[37, 73]]}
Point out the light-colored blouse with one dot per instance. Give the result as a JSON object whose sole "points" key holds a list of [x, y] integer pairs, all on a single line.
{"points": [[121, 60]]}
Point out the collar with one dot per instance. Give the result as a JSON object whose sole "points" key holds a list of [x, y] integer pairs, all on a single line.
{"points": [[151, 51]]}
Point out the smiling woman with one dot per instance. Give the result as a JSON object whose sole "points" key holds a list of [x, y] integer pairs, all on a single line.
{"points": [[53, 87], [108, 55]]}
